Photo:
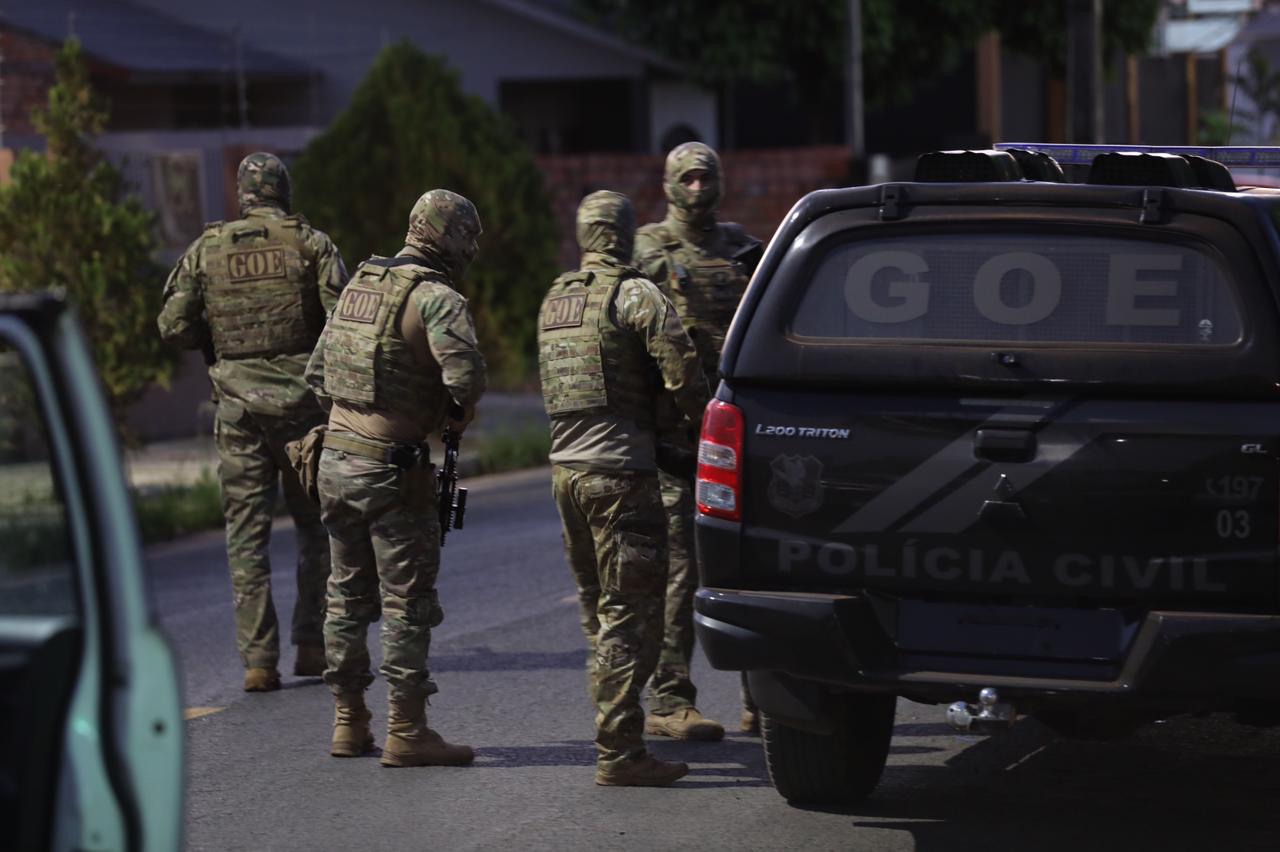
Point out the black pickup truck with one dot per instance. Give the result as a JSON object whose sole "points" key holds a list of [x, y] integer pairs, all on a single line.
{"points": [[1001, 444]]}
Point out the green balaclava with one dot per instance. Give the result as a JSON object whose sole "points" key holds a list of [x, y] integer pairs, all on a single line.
{"points": [[262, 180], [444, 226], [606, 227], [693, 208]]}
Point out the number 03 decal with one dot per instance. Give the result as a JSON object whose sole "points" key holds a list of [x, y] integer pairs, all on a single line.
{"points": [[1234, 523]]}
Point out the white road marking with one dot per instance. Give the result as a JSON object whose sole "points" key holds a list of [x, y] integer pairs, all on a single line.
{"points": [[198, 712]]}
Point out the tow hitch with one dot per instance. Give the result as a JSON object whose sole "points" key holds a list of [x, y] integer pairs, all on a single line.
{"points": [[987, 717]]}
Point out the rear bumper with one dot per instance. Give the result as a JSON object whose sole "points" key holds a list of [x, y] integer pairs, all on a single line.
{"points": [[940, 652]]}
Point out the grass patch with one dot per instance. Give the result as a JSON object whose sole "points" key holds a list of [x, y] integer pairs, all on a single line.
{"points": [[33, 527], [179, 510], [36, 534], [527, 447], [32, 537], [175, 511]]}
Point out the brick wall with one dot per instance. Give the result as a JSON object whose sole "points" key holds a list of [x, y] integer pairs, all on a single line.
{"points": [[28, 67], [760, 186]]}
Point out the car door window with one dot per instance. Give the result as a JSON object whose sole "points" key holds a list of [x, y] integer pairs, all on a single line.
{"points": [[1032, 288], [36, 569], [41, 614], [41, 617]]}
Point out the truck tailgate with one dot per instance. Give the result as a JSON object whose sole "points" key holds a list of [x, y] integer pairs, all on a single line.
{"points": [[1040, 497]]}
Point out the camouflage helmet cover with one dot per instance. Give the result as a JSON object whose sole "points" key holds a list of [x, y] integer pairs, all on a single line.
{"points": [[607, 224], [685, 158], [262, 179], [445, 225]]}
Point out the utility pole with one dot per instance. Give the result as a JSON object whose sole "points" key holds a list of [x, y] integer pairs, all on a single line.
{"points": [[242, 94], [854, 125], [2, 35], [314, 77], [988, 84], [1085, 115]]}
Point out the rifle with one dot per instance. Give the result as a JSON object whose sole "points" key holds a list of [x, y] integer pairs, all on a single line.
{"points": [[206, 343], [210, 358], [749, 256], [452, 499], [206, 349]]}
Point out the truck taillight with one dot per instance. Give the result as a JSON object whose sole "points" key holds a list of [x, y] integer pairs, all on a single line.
{"points": [[719, 491]]}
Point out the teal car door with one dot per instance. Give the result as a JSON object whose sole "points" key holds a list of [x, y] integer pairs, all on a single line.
{"points": [[91, 735]]}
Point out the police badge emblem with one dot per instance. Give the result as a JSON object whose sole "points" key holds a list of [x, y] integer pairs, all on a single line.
{"points": [[796, 486]]}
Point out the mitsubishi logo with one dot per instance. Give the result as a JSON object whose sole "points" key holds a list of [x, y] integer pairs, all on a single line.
{"points": [[1002, 511], [1004, 488]]}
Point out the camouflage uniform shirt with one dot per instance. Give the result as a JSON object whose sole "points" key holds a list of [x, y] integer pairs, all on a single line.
{"points": [[438, 328], [609, 442], [653, 258], [270, 385]]}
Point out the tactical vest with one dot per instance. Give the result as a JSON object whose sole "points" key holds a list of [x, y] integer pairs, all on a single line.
{"points": [[366, 360], [706, 291], [587, 363], [260, 297]]}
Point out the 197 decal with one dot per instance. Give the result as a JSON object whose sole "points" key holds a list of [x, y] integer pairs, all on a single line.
{"points": [[1233, 488]]}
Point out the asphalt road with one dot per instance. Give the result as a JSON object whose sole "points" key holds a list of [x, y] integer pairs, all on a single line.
{"points": [[509, 659]]}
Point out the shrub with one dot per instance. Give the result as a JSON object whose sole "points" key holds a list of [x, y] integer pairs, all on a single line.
{"points": [[514, 450], [179, 510], [410, 128], [67, 221]]}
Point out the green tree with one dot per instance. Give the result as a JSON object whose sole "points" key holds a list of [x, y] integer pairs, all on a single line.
{"points": [[1039, 28], [904, 44], [67, 220], [410, 128], [1217, 128], [1260, 84]]}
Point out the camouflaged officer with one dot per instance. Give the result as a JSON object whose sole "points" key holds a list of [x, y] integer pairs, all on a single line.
{"points": [[398, 353], [703, 266], [255, 293], [608, 344]]}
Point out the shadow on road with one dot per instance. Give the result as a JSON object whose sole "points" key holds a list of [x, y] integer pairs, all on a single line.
{"points": [[1189, 784], [732, 762], [563, 753], [484, 659], [735, 761]]}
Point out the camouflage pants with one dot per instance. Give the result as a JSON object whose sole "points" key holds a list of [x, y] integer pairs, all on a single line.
{"points": [[385, 539], [672, 688], [251, 459], [615, 539]]}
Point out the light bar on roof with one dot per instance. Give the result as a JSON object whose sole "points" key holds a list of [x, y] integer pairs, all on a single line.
{"points": [[1245, 156]]}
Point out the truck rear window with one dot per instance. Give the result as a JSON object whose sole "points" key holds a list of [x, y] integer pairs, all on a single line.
{"points": [[1032, 288]]}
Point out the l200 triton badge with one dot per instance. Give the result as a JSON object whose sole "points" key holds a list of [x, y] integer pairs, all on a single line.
{"points": [[779, 431], [796, 487]]}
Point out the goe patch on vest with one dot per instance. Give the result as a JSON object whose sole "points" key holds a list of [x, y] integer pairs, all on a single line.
{"points": [[252, 264], [359, 305], [564, 311]]}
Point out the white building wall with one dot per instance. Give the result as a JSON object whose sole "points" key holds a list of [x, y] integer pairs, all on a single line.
{"points": [[133, 151], [486, 44], [679, 103]]}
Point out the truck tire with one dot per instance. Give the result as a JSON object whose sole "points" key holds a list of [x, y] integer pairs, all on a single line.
{"points": [[842, 767]]}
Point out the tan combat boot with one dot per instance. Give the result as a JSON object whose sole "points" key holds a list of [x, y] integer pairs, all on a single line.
{"points": [[646, 772], [411, 743], [684, 724], [351, 735], [750, 722], [310, 661], [260, 679]]}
